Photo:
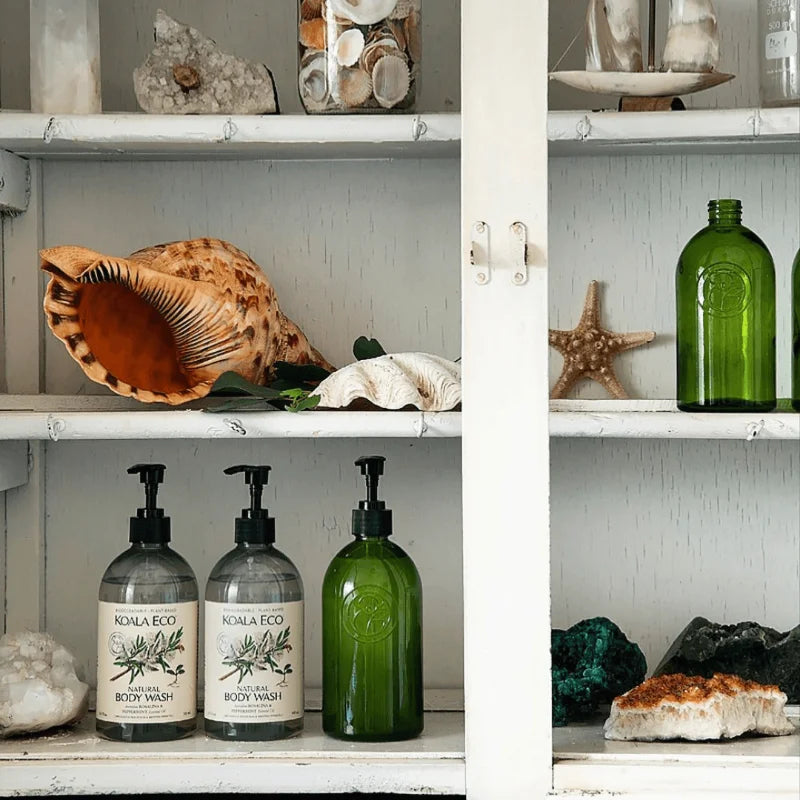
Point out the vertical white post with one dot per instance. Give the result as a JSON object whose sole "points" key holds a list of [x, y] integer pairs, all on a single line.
{"points": [[24, 362], [505, 417]]}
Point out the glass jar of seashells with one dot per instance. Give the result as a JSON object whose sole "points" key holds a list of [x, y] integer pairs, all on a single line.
{"points": [[359, 56]]}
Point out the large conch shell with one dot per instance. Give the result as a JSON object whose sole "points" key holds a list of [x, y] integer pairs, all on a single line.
{"points": [[418, 380], [164, 323]]}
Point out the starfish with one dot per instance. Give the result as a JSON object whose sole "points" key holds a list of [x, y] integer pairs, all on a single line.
{"points": [[589, 350]]}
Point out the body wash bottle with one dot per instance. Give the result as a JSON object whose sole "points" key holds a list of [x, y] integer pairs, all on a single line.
{"points": [[372, 630], [254, 631], [147, 632]]}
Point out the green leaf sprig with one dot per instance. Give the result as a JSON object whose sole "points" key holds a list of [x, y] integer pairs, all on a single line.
{"points": [[261, 654], [139, 656]]}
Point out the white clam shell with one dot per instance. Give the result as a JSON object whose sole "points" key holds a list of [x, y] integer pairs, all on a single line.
{"points": [[427, 382], [362, 12], [348, 47], [313, 82], [391, 80]]}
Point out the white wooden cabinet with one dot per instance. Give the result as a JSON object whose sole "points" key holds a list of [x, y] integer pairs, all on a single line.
{"points": [[384, 226]]}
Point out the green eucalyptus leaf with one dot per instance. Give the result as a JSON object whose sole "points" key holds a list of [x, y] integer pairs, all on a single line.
{"points": [[297, 376], [364, 348], [233, 383], [242, 404]]}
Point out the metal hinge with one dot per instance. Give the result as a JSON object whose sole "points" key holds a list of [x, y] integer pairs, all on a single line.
{"points": [[479, 252]]}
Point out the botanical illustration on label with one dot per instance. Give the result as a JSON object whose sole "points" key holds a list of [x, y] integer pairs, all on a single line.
{"points": [[723, 290], [368, 614], [147, 662], [254, 662]]}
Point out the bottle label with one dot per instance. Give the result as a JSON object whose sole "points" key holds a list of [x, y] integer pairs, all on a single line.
{"points": [[254, 662], [147, 662], [781, 44], [724, 290]]}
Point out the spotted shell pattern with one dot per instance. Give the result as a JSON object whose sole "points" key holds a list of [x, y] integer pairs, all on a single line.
{"points": [[164, 323], [420, 380]]}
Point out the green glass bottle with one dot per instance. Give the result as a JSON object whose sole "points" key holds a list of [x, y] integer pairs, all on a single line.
{"points": [[372, 630], [725, 296], [796, 333]]}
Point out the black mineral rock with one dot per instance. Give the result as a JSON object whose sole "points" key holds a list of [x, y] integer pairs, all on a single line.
{"points": [[747, 649], [593, 662]]}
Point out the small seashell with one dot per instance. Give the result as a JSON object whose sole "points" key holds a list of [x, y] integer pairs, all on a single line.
{"points": [[349, 47], [311, 33], [413, 32], [404, 8], [390, 80], [313, 81], [419, 380], [353, 87], [372, 52], [399, 36], [310, 9], [362, 12]]}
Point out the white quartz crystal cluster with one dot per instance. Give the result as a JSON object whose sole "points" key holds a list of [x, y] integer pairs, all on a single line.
{"points": [[38, 685], [186, 73]]}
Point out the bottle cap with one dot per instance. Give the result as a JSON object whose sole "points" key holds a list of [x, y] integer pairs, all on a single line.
{"points": [[149, 525], [255, 526], [372, 518]]}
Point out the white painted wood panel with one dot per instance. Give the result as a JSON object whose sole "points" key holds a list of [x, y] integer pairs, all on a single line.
{"points": [[313, 488], [624, 222], [261, 30], [80, 763], [652, 534], [364, 248]]}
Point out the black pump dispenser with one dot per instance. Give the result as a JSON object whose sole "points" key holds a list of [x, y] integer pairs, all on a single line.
{"points": [[149, 525], [255, 526], [372, 518]]}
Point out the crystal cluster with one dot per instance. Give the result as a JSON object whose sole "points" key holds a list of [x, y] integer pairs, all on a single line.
{"points": [[186, 73], [593, 662], [38, 685], [747, 649]]}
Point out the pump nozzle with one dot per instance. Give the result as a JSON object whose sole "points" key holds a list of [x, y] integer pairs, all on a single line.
{"points": [[255, 525], [371, 518], [149, 524]]}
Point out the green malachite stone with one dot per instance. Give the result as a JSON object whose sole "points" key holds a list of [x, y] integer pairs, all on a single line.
{"points": [[593, 662], [747, 649]]}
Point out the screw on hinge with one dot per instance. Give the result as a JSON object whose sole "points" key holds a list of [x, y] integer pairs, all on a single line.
{"points": [[754, 429]]}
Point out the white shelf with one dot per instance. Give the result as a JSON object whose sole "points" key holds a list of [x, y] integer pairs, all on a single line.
{"points": [[740, 768], [64, 418], [294, 136], [78, 762], [745, 130], [56, 418], [179, 137], [660, 419]]}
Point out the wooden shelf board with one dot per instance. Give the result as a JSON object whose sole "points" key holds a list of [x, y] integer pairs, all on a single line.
{"points": [[743, 130], [179, 137], [584, 761], [296, 136], [63, 418], [78, 762]]}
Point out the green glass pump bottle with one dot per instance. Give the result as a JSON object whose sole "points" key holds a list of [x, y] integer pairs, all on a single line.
{"points": [[372, 630], [725, 296], [796, 333]]}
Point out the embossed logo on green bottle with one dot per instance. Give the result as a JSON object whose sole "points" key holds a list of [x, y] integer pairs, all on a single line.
{"points": [[724, 290], [367, 614]]}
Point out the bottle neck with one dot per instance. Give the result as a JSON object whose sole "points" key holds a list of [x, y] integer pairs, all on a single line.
{"points": [[253, 545], [725, 212], [149, 545]]}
